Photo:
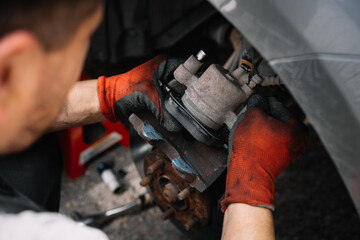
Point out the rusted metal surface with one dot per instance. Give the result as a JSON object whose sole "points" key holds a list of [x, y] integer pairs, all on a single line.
{"points": [[192, 212], [179, 170], [170, 192], [145, 181], [157, 164], [168, 213], [183, 194], [195, 171]]}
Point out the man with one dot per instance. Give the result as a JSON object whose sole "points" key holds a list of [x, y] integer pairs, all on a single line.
{"points": [[42, 47]]}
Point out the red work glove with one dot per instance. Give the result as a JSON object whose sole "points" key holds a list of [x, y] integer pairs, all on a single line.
{"points": [[138, 80], [261, 148]]}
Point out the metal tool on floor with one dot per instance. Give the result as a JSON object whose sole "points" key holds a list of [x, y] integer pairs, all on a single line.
{"points": [[100, 219]]}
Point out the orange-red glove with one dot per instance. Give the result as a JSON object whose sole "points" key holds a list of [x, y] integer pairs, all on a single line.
{"points": [[138, 80], [261, 148]]}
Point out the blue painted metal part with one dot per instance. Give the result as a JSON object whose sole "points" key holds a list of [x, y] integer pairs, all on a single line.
{"points": [[184, 169], [183, 165], [150, 132]]}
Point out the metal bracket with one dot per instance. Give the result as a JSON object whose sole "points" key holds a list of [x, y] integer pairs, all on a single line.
{"points": [[198, 164]]}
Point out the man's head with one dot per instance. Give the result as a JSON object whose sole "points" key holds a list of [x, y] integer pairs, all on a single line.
{"points": [[43, 44]]}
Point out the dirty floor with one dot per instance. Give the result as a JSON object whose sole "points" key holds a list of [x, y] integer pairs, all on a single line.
{"points": [[88, 194]]}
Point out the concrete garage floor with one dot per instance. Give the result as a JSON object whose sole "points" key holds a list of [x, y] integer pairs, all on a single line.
{"points": [[89, 194], [311, 200]]}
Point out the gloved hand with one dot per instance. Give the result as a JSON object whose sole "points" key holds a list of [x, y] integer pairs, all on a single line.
{"points": [[137, 81], [137, 91], [261, 147]]}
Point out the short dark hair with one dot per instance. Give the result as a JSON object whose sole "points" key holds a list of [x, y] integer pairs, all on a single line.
{"points": [[52, 21]]}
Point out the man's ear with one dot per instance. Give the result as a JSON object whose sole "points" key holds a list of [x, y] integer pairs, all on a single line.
{"points": [[12, 46]]}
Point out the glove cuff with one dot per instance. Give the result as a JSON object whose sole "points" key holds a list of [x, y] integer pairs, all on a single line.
{"points": [[247, 180], [224, 205], [106, 105]]}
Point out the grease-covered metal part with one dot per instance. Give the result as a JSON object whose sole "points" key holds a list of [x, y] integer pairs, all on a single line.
{"points": [[215, 96]]}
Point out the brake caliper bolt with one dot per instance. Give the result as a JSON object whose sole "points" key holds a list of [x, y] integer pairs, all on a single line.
{"points": [[152, 168], [185, 193], [146, 180]]}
